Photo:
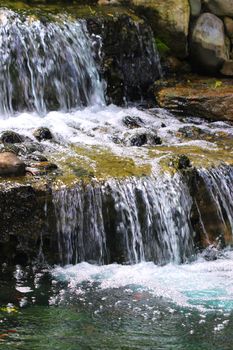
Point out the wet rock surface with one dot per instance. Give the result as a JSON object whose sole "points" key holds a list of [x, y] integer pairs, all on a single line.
{"points": [[206, 98], [126, 40], [11, 137], [43, 133]]}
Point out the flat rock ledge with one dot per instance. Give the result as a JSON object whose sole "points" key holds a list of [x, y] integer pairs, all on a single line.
{"points": [[200, 97]]}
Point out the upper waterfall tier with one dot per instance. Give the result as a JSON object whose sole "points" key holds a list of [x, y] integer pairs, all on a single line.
{"points": [[46, 65]]}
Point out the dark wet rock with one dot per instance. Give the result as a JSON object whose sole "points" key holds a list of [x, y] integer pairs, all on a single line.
{"points": [[204, 218], [163, 125], [132, 122], [11, 165], [43, 133], [11, 137], [23, 225], [130, 63], [138, 140], [144, 138], [208, 44]]}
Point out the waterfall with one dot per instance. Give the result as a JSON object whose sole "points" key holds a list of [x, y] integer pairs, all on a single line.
{"points": [[218, 182], [126, 221], [46, 65]]}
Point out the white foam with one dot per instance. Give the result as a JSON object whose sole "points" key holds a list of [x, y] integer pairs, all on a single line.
{"points": [[201, 284]]}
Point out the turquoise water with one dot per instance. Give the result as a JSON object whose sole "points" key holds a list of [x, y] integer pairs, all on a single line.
{"points": [[141, 306]]}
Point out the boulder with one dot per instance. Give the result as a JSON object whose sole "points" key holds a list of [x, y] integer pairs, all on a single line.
{"points": [[170, 22], [195, 7], [208, 44], [220, 7], [206, 98], [11, 165]]}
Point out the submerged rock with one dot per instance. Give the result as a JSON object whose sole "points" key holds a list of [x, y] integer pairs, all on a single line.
{"points": [[144, 138], [43, 133], [208, 44], [9, 136], [212, 253], [132, 122], [11, 165]]}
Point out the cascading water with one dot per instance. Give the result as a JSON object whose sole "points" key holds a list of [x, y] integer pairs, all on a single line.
{"points": [[129, 221], [219, 184], [46, 65], [132, 223]]}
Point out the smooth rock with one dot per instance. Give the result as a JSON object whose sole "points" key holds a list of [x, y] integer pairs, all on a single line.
{"points": [[208, 44], [170, 22], [220, 7], [11, 165]]}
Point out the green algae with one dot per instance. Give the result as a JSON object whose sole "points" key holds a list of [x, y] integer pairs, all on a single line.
{"points": [[50, 11]]}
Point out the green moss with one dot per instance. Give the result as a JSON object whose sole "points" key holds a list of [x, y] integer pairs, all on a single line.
{"points": [[162, 47]]}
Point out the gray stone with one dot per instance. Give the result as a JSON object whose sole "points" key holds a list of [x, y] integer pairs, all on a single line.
{"points": [[209, 47]]}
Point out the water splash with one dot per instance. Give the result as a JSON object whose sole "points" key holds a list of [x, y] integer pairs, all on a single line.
{"points": [[46, 65]]}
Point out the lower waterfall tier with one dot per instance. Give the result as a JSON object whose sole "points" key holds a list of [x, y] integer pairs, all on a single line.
{"points": [[168, 218]]}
